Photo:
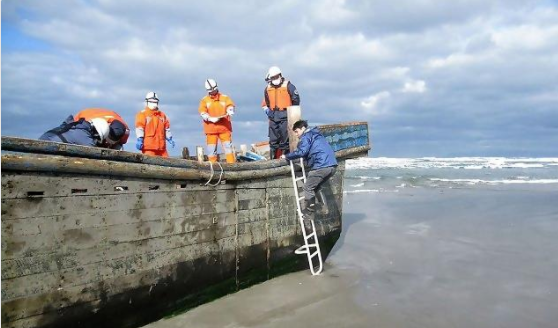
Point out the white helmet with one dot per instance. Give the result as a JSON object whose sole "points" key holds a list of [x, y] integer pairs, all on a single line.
{"points": [[151, 96], [210, 85], [102, 128], [273, 70]]}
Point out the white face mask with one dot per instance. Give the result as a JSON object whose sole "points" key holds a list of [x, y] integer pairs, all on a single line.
{"points": [[152, 105], [276, 81]]}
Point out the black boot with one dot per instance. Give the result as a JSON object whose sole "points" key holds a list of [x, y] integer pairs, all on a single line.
{"points": [[309, 208]]}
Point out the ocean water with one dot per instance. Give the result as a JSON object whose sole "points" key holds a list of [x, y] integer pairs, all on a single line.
{"points": [[382, 174], [451, 242]]}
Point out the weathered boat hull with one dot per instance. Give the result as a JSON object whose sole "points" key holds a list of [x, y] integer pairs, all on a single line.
{"points": [[85, 249]]}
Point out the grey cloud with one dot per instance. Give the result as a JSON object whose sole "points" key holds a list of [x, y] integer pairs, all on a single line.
{"points": [[482, 94]]}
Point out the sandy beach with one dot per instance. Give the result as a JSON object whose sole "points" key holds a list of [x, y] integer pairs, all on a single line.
{"points": [[419, 257]]}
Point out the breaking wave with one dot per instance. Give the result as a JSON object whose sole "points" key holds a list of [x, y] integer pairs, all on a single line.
{"points": [[494, 182], [468, 163]]}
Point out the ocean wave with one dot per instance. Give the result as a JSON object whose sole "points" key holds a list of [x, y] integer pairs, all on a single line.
{"points": [[504, 181], [470, 163], [362, 177], [359, 191], [362, 191]]}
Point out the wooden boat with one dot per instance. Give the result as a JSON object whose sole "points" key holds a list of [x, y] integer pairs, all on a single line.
{"points": [[101, 238]]}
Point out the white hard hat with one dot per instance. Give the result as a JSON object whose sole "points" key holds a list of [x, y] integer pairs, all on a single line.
{"points": [[151, 95], [102, 128], [273, 70], [210, 85]]}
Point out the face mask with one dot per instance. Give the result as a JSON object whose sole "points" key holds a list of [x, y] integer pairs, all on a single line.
{"points": [[276, 81], [152, 105]]}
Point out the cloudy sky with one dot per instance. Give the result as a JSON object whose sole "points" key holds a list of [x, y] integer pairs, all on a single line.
{"points": [[431, 77]]}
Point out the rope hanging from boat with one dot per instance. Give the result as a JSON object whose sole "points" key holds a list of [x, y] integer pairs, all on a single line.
{"points": [[213, 172]]}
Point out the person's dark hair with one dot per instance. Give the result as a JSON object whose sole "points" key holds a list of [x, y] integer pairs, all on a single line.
{"points": [[300, 124], [117, 129]]}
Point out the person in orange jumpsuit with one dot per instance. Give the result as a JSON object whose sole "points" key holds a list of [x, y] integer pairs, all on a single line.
{"points": [[119, 130], [153, 128], [216, 110]]}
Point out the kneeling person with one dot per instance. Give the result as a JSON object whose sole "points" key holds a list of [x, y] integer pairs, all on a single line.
{"points": [[320, 157]]}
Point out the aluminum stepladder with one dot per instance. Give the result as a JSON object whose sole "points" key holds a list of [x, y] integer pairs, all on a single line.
{"points": [[311, 246]]}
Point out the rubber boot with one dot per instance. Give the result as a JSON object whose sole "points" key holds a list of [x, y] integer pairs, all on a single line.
{"points": [[309, 208], [230, 158], [272, 153], [212, 159]]}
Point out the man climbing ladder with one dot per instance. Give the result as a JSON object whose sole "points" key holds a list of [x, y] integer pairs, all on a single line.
{"points": [[314, 148], [321, 159]]}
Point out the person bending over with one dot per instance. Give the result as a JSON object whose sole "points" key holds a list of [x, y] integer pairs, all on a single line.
{"points": [[95, 132]]}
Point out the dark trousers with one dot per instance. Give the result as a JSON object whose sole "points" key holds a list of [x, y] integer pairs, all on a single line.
{"points": [[278, 137], [278, 132], [314, 180]]}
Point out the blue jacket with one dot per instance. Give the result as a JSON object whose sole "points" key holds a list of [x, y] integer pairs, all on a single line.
{"points": [[314, 147], [77, 133]]}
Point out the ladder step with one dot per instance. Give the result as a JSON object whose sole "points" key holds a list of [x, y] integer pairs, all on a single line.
{"points": [[315, 253], [305, 249], [300, 198], [312, 235], [302, 250], [299, 178]]}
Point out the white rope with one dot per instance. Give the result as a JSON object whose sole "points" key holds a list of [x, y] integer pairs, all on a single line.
{"points": [[212, 173]]}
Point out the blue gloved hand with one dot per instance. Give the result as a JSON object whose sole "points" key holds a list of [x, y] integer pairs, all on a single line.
{"points": [[139, 143], [171, 142]]}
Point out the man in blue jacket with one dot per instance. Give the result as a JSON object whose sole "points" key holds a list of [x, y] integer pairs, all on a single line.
{"points": [[320, 157]]}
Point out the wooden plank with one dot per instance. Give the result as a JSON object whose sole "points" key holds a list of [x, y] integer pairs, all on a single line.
{"points": [[102, 251], [90, 237], [113, 284], [36, 207], [182, 218], [16, 186], [204, 244], [252, 215]]}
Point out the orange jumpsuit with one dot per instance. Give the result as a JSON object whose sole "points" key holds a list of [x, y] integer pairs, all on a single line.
{"points": [[109, 115], [216, 106], [153, 126]]}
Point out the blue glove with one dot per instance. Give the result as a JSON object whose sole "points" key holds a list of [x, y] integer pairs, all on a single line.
{"points": [[139, 143], [172, 143]]}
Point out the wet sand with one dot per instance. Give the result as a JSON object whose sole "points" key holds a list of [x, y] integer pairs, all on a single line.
{"points": [[482, 257]]}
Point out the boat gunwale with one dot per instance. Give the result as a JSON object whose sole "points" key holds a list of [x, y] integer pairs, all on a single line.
{"points": [[51, 148]]}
